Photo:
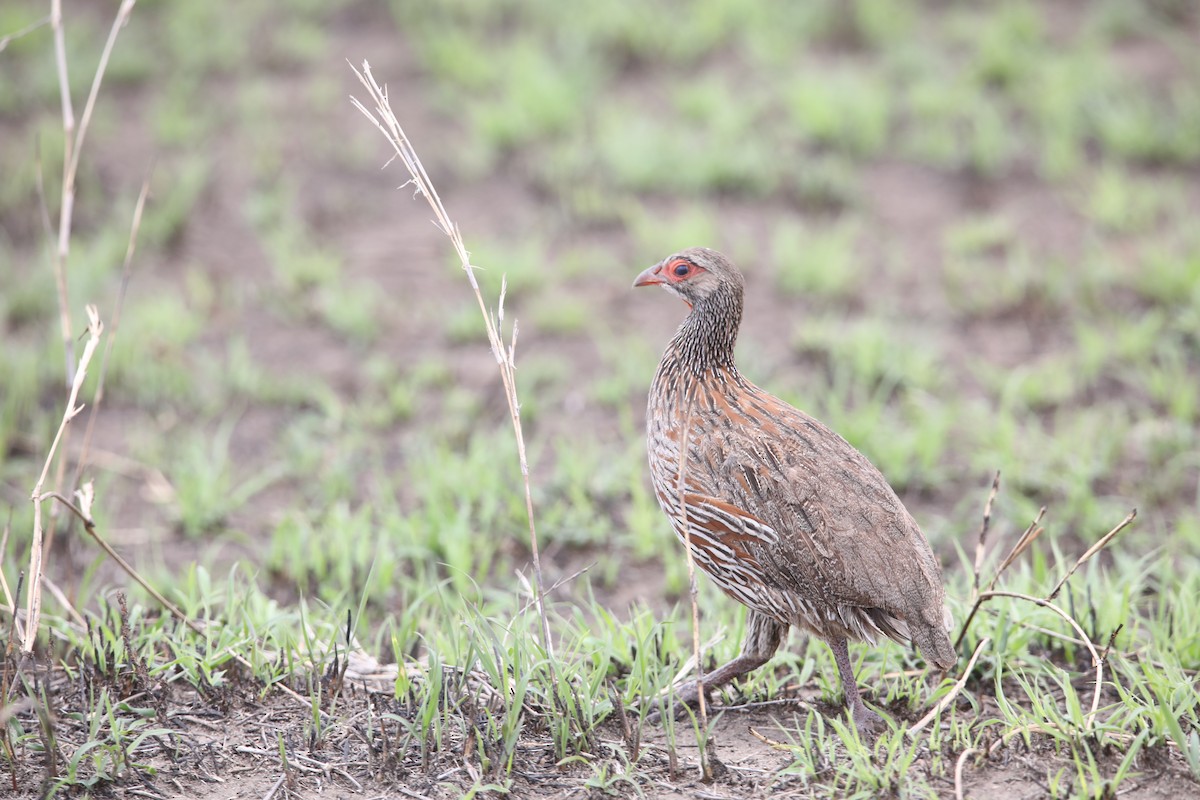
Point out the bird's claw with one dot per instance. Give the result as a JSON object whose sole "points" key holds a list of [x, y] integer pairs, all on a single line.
{"points": [[865, 720]]}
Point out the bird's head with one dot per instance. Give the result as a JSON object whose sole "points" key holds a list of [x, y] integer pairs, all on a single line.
{"points": [[693, 275]]}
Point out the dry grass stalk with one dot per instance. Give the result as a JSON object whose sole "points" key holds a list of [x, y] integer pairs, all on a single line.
{"points": [[772, 743], [1097, 660], [16, 634], [1022, 544], [981, 545], [67, 207], [958, 771], [33, 604], [953, 693], [1026, 539], [1100, 544], [73, 138], [384, 119], [17, 34]]}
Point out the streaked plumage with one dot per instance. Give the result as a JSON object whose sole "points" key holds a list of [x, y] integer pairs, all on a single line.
{"points": [[784, 514]]}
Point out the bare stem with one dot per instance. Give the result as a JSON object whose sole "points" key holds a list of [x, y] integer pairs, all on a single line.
{"points": [[17, 34], [1097, 659], [384, 119], [953, 693], [981, 545], [1100, 544], [33, 604], [958, 771], [1027, 538], [68, 189], [72, 147], [8, 595]]}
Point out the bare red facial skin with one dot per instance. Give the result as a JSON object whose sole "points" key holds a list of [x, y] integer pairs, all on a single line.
{"points": [[674, 271], [679, 269]]}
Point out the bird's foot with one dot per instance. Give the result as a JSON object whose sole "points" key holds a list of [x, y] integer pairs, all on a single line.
{"points": [[686, 698], [866, 721]]}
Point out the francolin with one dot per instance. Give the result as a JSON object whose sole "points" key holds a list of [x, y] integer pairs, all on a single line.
{"points": [[783, 513]]}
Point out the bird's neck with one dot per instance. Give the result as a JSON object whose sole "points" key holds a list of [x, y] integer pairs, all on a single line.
{"points": [[706, 339]]}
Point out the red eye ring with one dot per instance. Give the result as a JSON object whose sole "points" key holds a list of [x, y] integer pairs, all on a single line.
{"points": [[681, 268]]}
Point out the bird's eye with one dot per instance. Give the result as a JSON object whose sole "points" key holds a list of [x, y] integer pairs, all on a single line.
{"points": [[681, 269]]}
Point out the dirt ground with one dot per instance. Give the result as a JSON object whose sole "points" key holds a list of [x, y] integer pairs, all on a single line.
{"points": [[228, 748]]}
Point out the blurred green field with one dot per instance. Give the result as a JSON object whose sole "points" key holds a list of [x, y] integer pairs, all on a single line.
{"points": [[969, 237]]}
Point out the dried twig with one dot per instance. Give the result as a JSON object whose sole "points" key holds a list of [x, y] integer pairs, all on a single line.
{"points": [[958, 770], [384, 119], [8, 595], [1022, 544], [953, 693], [1100, 544], [33, 604], [980, 546], [73, 138], [1097, 659], [17, 34], [1028, 537], [68, 189], [773, 743]]}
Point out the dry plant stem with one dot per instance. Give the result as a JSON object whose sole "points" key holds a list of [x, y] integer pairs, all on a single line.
{"points": [[8, 596], [119, 22], [89, 525], [68, 188], [1091, 551], [72, 147], [953, 693], [1028, 537], [1097, 660], [271, 792], [981, 546], [385, 121], [773, 743], [17, 633], [958, 771], [28, 29], [33, 605]]}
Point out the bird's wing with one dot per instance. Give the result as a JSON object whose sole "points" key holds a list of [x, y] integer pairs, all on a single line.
{"points": [[842, 534]]}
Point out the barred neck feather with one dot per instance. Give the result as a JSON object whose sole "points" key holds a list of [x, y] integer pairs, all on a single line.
{"points": [[706, 338]]}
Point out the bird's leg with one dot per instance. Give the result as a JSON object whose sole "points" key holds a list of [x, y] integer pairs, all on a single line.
{"points": [[764, 635], [866, 720]]}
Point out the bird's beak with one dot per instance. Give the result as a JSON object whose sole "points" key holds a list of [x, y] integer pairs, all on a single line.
{"points": [[650, 277]]}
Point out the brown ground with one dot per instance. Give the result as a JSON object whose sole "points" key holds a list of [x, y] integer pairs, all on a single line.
{"points": [[228, 748]]}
